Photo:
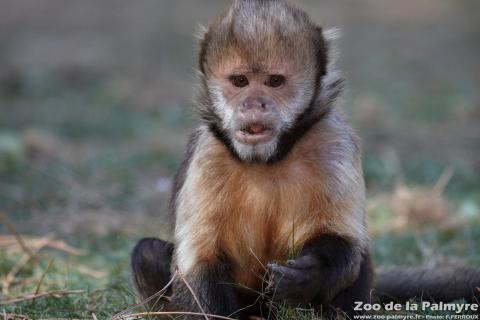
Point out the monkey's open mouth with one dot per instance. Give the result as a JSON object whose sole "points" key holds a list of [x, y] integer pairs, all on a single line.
{"points": [[254, 133]]}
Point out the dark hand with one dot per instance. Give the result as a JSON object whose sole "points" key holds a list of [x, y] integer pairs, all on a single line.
{"points": [[296, 282]]}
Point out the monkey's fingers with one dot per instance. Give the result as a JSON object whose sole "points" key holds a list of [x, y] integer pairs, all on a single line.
{"points": [[282, 272], [304, 262], [283, 279], [288, 290]]}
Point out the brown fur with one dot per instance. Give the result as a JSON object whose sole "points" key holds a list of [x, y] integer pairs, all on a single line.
{"points": [[256, 213], [241, 206]]}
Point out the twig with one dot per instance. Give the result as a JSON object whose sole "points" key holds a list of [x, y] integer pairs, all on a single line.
{"points": [[12, 316], [90, 272], [162, 291], [7, 282], [62, 246], [29, 297], [262, 278], [94, 316], [54, 319], [246, 307], [10, 241], [124, 315], [11, 228], [22, 262], [37, 290], [172, 313], [193, 293], [258, 260], [244, 287], [443, 181]]}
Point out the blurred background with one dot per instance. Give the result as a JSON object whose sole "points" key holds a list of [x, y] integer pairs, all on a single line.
{"points": [[95, 108]]}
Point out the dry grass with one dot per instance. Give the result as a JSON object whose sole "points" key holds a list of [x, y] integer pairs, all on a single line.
{"points": [[28, 250], [414, 207], [29, 266]]}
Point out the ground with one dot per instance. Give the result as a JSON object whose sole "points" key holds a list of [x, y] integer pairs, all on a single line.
{"points": [[95, 113]]}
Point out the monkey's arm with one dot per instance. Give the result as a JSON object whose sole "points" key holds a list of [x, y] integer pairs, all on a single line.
{"points": [[325, 266]]}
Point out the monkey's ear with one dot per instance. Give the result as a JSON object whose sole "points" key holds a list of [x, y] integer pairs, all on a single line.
{"points": [[332, 82], [331, 37], [201, 32], [203, 37]]}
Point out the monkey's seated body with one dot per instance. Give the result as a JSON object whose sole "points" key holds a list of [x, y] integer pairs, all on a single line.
{"points": [[270, 197]]}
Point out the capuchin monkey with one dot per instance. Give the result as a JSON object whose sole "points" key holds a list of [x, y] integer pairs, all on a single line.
{"points": [[269, 202]]}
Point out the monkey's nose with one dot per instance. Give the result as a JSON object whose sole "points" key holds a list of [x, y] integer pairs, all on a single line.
{"points": [[254, 103]]}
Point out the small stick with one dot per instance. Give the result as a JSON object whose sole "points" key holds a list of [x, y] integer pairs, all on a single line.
{"points": [[193, 293], [443, 181], [43, 276], [246, 307], [22, 262], [9, 241], [62, 246], [5, 221], [258, 260], [90, 272], [172, 313], [13, 316], [7, 282], [147, 299], [30, 297]]}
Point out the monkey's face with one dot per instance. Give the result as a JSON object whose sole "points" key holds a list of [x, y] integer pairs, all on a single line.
{"points": [[260, 67], [256, 105]]}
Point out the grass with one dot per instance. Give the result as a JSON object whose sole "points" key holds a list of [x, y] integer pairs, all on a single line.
{"points": [[95, 283], [99, 280]]}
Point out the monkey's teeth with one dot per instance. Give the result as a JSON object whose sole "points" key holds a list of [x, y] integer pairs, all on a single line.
{"points": [[248, 137], [254, 129]]}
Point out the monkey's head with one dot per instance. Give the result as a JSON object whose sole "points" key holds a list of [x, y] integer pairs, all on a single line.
{"points": [[261, 69]]}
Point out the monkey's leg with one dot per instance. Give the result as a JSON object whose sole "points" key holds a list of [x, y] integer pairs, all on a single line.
{"points": [[150, 261], [212, 289], [326, 266]]}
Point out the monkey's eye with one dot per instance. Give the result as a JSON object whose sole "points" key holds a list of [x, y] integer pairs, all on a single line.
{"points": [[239, 81], [275, 81]]}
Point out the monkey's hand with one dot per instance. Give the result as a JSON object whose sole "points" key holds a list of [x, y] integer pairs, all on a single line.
{"points": [[296, 282], [327, 265]]}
